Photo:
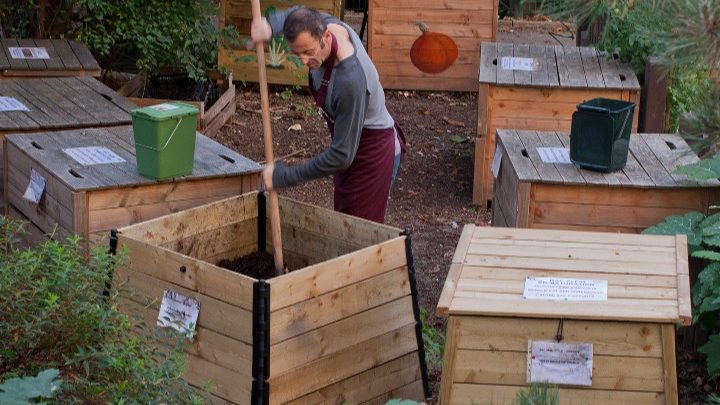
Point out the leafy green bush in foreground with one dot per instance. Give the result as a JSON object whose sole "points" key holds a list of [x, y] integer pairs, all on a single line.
{"points": [[54, 314]]}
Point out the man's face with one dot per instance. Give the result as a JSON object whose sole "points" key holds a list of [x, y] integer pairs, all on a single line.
{"points": [[311, 51]]}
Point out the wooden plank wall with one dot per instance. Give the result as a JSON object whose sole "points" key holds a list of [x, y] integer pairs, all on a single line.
{"points": [[485, 360], [392, 32], [343, 331]]}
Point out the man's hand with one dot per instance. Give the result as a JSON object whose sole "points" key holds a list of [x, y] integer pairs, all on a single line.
{"points": [[267, 174], [260, 30]]}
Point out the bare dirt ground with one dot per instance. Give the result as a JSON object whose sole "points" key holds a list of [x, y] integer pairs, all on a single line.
{"points": [[432, 194]]}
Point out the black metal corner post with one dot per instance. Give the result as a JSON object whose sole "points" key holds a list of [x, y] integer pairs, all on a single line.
{"points": [[416, 310], [261, 343], [262, 222], [112, 251]]}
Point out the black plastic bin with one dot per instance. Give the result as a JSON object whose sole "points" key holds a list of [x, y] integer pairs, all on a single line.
{"points": [[600, 134]]}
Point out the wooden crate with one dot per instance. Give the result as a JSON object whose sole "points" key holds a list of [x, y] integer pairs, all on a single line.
{"points": [[542, 100], [90, 200], [632, 332], [534, 194], [342, 327], [392, 31], [60, 103], [66, 58], [209, 121], [242, 62]]}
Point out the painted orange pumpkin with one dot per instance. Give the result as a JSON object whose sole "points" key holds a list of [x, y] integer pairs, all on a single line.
{"points": [[433, 52]]}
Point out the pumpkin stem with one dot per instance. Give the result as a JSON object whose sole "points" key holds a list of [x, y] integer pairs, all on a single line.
{"points": [[423, 27]]}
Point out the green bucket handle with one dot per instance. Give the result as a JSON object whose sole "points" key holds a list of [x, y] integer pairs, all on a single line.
{"points": [[166, 142]]}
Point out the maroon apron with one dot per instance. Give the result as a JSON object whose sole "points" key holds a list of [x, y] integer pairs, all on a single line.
{"points": [[363, 188]]}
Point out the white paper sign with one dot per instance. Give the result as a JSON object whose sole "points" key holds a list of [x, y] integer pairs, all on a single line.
{"points": [[93, 155], [12, 104], [178, 312], [164, 107], [526, 64], [35, 188], [28, 53], [554, 155], [497, 159], [560, 363], [565, 289]]}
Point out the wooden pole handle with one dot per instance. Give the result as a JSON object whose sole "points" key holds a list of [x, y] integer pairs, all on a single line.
{"points": [[267, 136]]}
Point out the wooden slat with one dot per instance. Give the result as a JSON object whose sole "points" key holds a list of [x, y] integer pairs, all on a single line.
{"points": [[202, 278], [344, 364], [327, 340], [541, 76], [514, 147], [591, 67], [669, 364], [609, 372], [615, 278], [228, 242], [683, 282], [570, 236], [83, 55], [590, 176], [367, 385], [546, 171], [54, 62], [671, 156], [464, 394], [32, 64], [226, 383], [512, 335], [4, 60], [522, 77], [455, 268], [467, 5], [215, 315], [488, 62], [67, 56], [19, 64], [504, 76], [304, 284], [650, 163], [338, 304], [610, 73]]}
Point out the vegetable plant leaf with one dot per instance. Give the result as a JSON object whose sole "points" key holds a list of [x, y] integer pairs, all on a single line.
{"points": [[712, 350], [688, 224], [458, 139], [20, 390], [704, 170], [707, 254]]}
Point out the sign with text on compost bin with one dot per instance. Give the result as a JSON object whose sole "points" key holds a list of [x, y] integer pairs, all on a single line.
{"points": [[513, 63], [93, 155], [12, 104], [565, 289], [26, 52], [179, 312], [559, 363], [35, 188]]}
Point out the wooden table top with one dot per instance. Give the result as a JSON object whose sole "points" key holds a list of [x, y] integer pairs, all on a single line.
{"points": [[647, 275], [652, 158], [66, 58], [63, 102], [555, 66], [212, 160]]}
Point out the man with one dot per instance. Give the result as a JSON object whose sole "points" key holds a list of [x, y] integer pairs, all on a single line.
{"points": [[366, 142]]}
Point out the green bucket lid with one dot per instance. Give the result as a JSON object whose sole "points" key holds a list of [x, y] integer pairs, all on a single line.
{"points": [[165, 111]]}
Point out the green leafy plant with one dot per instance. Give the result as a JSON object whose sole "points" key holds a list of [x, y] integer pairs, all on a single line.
{"points": [[434, 341], [276, 52], [56, 313], [22, 390], [306, 110], [538, 394], [154, 34], [703, 235]]}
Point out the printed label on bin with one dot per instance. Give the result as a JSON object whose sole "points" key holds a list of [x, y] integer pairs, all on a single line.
{"points": [[559, 363], [565, 289], [12, 104], [164, 107], [178, 312], [93, 155], [526, 64], [35, 188], [554, 155], [497, 159], [25, 52]]}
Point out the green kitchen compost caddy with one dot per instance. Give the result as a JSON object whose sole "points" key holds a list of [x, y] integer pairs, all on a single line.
{"points": [[164, 139]]}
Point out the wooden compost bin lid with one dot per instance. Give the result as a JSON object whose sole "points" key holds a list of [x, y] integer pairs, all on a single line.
{"points": [[555, 66], [211, 158], [62, 102], [652, 160], [647, 275], [65, 58]]}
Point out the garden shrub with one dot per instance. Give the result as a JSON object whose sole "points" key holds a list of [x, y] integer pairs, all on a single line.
{"points": [[56, 313]]}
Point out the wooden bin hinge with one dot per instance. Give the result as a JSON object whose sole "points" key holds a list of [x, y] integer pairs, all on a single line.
{"points": [[261, 344], [262, 222], [416, 310]]}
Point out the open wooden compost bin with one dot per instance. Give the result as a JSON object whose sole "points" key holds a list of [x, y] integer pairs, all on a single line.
{"points": [[342, 327], [514, 296], [45, 58]]}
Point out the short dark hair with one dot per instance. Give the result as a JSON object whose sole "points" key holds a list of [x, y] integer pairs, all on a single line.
{"points": [[304, 19]]}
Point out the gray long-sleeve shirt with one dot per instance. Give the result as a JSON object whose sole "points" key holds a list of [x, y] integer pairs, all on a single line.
{"points": [[355, 100]]}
